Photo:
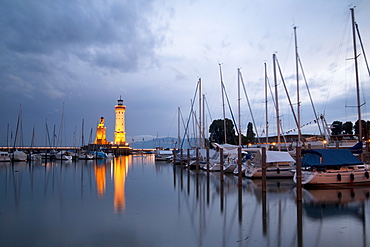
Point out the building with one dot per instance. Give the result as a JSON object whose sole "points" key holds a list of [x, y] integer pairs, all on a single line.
{"points": [[120, 132]]}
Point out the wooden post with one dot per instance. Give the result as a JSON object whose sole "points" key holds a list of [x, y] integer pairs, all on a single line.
{"points": [[197, 161], [221, 164], [174, 157], [239, 166], [181, 157], [264, 169], [188, 159], [299, 224], [207, 161], [240, 204], [299, 174]]}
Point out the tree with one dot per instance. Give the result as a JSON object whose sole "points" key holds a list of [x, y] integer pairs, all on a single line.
{"points": [[337, 128], [217, 131], [365, 128], [348, 128], [250, 133]]}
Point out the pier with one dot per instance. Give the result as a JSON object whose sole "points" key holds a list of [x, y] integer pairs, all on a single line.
{"points": [[115, 149]]}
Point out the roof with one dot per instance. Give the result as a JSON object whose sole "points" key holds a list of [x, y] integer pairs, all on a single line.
{"points": [[329, 157]]}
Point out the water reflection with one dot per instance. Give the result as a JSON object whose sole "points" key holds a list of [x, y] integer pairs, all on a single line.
{"points": [[274, 218], [100, 178], [335, 202], [113, 202], [120, 172]]}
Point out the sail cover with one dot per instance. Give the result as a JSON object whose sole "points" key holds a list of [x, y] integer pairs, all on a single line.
{"points": [[329, 157], [274, 156]]}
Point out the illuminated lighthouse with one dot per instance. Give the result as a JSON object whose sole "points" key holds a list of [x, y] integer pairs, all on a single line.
{"points": [[120, 133]]}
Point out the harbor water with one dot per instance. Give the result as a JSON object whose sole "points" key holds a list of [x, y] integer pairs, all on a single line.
{"points": [[136, 201]]}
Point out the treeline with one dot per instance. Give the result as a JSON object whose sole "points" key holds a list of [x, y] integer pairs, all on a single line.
{"points": [[348, 128], [217, 134]]}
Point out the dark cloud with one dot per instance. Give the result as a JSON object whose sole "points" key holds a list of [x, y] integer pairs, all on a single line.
{"points": [[41, 39], [70, 51]]}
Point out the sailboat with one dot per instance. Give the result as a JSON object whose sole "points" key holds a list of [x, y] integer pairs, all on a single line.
{"points": [[279, 164], [336, 167]]}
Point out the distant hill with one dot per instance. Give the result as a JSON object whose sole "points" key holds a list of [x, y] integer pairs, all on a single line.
{"points": [[165, 143]]}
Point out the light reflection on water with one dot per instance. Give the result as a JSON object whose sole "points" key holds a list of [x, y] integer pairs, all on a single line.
{"points": [[135, 201]]}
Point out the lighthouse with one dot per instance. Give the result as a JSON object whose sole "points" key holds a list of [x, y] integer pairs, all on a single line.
{"points": [[119, 132]]}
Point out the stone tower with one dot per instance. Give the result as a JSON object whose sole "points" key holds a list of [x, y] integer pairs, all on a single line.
{"points": [[120, 133], [101, 136]]}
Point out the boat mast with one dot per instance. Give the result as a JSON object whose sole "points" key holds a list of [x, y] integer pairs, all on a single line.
{"points": [[33, 137], [200, 115], [276, 102], [7, 137], [82, 134], [297, 76], [54, 139], [223, 104], [19, 128], [267, 123], [178, 128], [249, 105], [204, 121], [356, 74], [239, 116]]}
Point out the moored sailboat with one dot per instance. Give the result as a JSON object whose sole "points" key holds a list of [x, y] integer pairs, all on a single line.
{"points": [[278, 165], [333, 168], [4, 156], [337, 167]]}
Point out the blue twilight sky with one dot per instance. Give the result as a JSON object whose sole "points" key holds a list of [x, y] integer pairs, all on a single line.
{"points": [[85, 55]]}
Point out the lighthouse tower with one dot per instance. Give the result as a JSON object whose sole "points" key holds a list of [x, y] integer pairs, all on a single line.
{"points": [[120, 133]]}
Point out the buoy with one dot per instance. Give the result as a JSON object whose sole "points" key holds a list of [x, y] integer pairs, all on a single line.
{"points": [[352, 176], [367, 174], [339, 177]]}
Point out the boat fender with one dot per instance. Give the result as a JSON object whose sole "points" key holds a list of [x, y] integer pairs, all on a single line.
{"points": [[352, 177], [278, 171], [339, 194], [367, 174], [339, 177]]}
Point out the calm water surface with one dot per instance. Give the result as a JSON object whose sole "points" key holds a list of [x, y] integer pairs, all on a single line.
{"points": [[135, 201]]}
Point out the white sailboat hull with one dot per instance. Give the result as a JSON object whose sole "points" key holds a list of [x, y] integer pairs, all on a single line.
{"points": [[335, 178], [19, 156], [271, 172]]}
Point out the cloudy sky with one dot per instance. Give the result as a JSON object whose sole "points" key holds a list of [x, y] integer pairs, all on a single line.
{"points": [[84, 55]]}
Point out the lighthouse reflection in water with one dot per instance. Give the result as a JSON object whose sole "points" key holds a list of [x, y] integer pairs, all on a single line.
{"points": [[135, 201], [117, 169]]}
